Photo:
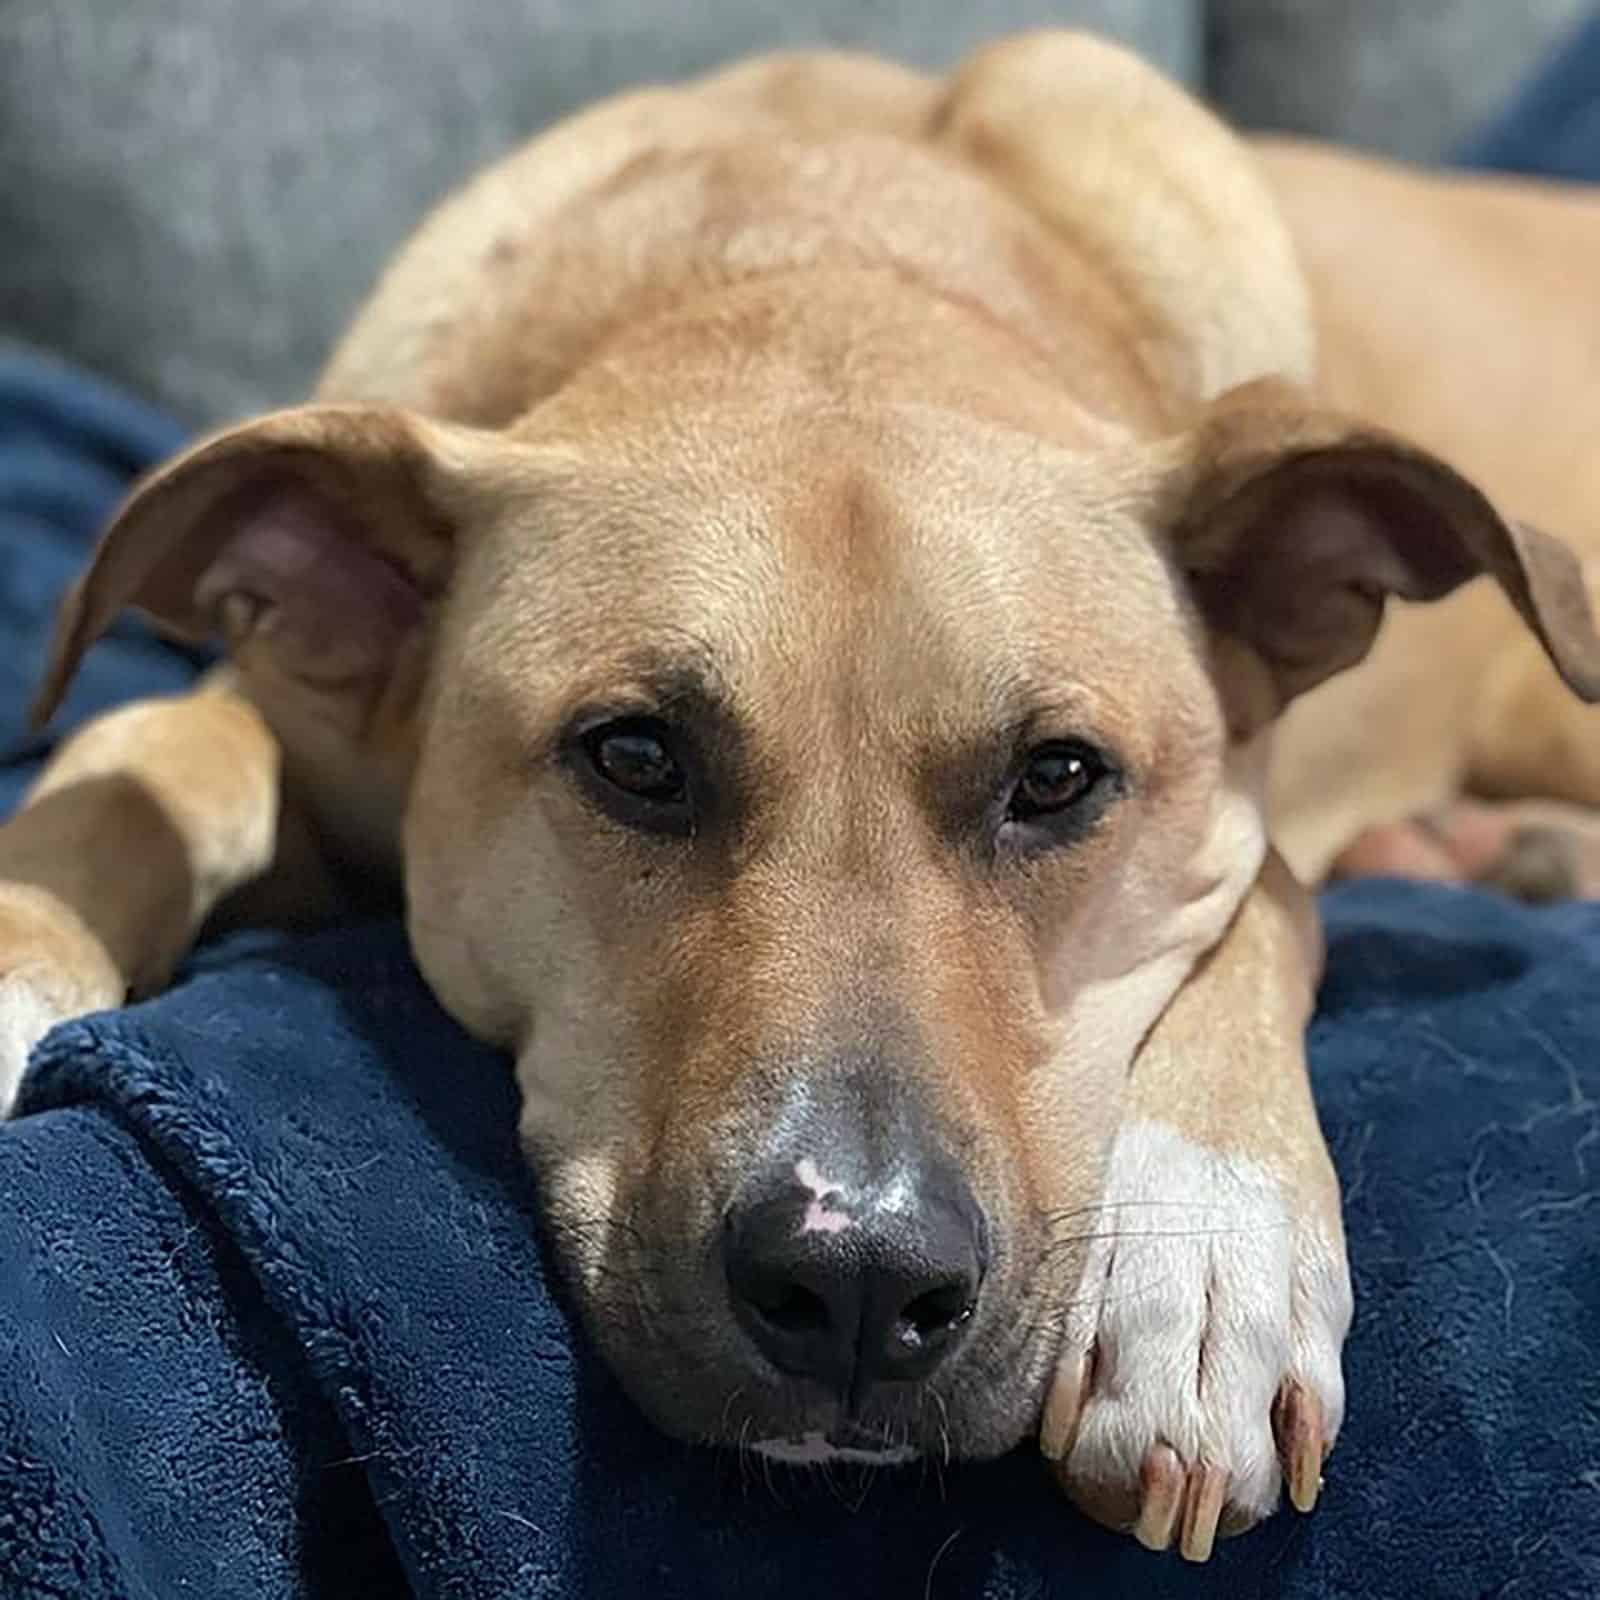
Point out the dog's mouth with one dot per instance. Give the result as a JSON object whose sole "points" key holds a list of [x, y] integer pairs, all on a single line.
{"points": [[979, 1408], [690, 1367]]}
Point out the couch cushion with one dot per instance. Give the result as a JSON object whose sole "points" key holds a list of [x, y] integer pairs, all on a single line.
{"points": [[194, 194], [1411, 80]]}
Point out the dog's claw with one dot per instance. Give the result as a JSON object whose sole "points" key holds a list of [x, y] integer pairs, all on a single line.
{"points": [[1297, 1423], [1063, 1407], [1202, 1507], [1162, 1480]]}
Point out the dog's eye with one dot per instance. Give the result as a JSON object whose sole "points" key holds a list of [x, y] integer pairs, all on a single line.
{"points": [[633, 755], [1057, 777]]}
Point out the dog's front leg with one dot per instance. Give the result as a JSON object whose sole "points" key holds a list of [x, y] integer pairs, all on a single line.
{"points": [[1202, 1358], [143, 821]]}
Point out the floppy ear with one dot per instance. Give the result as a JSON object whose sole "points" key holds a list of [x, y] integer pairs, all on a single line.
{"points": [[320, 533], [1295, 525]]}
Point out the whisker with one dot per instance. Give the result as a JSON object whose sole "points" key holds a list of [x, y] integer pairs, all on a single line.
{"points": [[1232, 1231], [1108, 1205], [938, 1556], [941, 1462], [745, 1453]]}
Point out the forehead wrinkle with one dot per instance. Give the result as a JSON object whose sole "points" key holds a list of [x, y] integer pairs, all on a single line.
{"points": [[920, 635], [605, 566], [921, 614], [680, 672], [897, 594]]}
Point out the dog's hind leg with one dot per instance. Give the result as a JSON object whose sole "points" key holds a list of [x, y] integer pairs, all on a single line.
{"points": [[143, 822], [1528, 821], [1533, 850], [1530, 740]]}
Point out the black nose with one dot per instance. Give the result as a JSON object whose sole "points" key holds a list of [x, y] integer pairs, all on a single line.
{"points": [[856, 1284]]}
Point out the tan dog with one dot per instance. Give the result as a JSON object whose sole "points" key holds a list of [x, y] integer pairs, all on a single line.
{"points": [[798, 574]]}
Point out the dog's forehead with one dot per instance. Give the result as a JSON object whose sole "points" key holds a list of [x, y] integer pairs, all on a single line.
{"points": [[904, 565]]}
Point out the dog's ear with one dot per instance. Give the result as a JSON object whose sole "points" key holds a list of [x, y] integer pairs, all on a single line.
{"points": [[321, 533], [1294, 525]]}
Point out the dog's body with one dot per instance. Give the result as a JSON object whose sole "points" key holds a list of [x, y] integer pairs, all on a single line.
{"points": [[1456, 309], [799, 574]]}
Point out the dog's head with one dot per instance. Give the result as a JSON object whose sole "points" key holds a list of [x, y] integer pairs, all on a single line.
{"points": [[821, 801]]}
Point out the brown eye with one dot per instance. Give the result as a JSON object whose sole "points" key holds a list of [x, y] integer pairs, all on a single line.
{"points": [[632, 755], [1056, 778]]}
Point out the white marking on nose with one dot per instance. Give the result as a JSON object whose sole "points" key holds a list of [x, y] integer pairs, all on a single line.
{"points": [[816, 1450], [820, 1217]]}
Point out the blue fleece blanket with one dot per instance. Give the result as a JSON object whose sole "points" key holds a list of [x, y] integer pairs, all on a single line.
{"points": [[275, 1320]]}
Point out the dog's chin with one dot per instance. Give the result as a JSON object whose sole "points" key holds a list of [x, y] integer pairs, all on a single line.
{"points": [[701, 1384], [955, 1419]]}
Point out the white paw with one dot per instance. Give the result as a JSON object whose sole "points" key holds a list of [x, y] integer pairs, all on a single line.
{"points": [[1201, 1357], [52, 968], [26, 1016]]}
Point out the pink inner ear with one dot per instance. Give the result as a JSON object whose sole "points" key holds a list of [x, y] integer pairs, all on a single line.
{"points": [[331, 606]]}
